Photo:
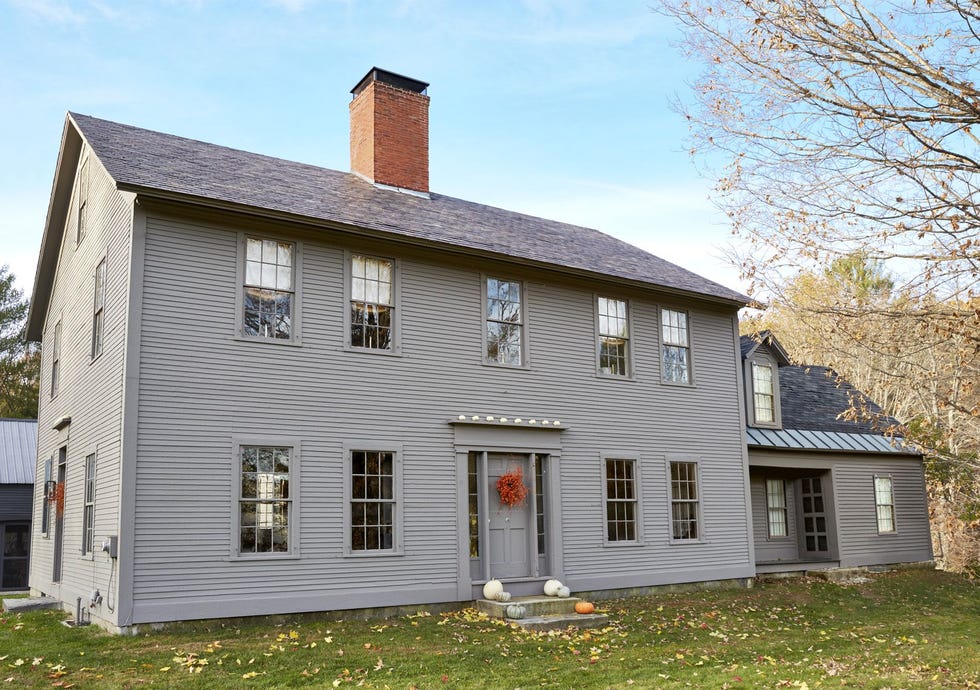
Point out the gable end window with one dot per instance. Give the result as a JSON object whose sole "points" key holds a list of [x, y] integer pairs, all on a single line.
{"points": [[776, 508], [676, 346], [885, 504], [56, 359], [373, 505], [763, 393], [88, 516], [372, 303], [685, 501], [264, 500], [622, 502], [268, 303], [98, 313], [82, 219], [504, 314], [614, 336]]}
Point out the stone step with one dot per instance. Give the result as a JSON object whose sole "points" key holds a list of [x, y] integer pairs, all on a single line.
{"points": [[29, 604], [562, 621], [538, 605]]}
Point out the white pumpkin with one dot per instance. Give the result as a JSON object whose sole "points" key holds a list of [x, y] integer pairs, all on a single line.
{"points": [[492, 589], [551, 588], [503, 596], [564, 592]]}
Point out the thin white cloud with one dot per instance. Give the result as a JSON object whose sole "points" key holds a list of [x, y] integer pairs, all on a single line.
{"points": [[51, 11]]}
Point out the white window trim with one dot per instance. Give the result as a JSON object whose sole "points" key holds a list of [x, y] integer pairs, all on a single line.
{"points": [[88, 546], [295, 336], [785, 508], [690, 347], [396, 322], [628, 376], [57, 337], [83, 191], [398, 548], [891, 483], [701, 538], [525, 341], [295, 462], [638, 492], [103, 261], [762, 360]]}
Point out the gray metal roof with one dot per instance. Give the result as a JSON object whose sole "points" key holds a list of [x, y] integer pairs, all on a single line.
{"points": [[18, 450], [147, 161], [803, 439]]}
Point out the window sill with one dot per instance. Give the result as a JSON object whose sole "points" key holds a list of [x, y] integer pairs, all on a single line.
{"points": [[93, 360], [296, 342], [623, 544], [893, 533], [511, 367], [397, 352], [263, 558], [374, 554], [614, 377], [677, 384], [781, 540], [685, 542]]}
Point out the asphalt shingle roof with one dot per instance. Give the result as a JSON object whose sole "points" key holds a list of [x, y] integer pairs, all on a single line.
{"points": [[144, 160], [18, 450]]}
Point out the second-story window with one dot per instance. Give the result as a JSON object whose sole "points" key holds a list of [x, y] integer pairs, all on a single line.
{"points": [[269, 289], [372, 303], [504, 322], [98, 311], [676, 346], [614, 334], [763, 393]]}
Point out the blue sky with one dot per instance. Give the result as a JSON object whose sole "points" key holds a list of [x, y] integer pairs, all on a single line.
{"points": [[556, 108]]}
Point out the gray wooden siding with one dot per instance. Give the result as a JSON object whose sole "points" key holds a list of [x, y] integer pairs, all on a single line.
{"points": [[858, 541], [15, 502], [90, 392], [200, 387], [772, 549]]}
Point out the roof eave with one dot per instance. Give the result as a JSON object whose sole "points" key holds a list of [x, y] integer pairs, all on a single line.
{"points": [[64, 173], [217, 204]]}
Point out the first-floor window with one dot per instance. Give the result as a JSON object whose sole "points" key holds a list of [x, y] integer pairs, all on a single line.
{"points": [[776, 507], [372, 500], [684, 500], [88, 517], [265, 501], [885, 504], [621, 500]]}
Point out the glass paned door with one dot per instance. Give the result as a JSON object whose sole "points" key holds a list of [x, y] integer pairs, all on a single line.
{"points": [[814, 516]]}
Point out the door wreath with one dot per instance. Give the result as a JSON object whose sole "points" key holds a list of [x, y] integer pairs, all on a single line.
{"points": [[511, 488]]}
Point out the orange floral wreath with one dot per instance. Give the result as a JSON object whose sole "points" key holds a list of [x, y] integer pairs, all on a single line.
{"points": [[511, 488]]}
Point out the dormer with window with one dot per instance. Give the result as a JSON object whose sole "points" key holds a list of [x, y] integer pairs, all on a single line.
{"points": [[762, 356]]}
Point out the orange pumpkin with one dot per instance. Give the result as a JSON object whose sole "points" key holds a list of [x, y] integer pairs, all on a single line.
{"points": [[584, 607]]}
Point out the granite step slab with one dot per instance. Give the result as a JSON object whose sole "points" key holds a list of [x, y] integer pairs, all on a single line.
{"points": [[562, 621], [29, 604]]}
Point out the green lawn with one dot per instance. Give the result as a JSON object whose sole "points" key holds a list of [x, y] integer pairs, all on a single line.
{"points": [[905, 629]]}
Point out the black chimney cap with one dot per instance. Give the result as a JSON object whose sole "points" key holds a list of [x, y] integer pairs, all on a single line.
{"points": [[397, 80]]}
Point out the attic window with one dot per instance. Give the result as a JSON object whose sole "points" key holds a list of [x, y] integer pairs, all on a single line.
{"points": [[763, 393], [82, 219]]}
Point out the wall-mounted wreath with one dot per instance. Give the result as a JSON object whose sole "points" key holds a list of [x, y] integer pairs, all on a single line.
{"points": [[511, 488]]}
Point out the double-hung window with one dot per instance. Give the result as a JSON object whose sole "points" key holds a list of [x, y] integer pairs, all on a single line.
{"points": [[82, 219], [372, 303], [269, 290], [56, 359], [88, 516], [614, 336], [98, 310], [504, 322], [684, 501], [373, 502], [621, 500], [676, 346], [763, 393], [885, 504], [776, 507], [265, 504]]}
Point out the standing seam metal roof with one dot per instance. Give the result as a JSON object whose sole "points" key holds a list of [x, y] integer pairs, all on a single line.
{"points": [[18, 450]]}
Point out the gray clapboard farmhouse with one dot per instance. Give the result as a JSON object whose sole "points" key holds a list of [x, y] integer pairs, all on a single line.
{"points": [[270, 387]]}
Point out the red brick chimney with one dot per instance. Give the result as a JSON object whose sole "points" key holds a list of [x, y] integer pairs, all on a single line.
{"points": [[389, 130]]}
